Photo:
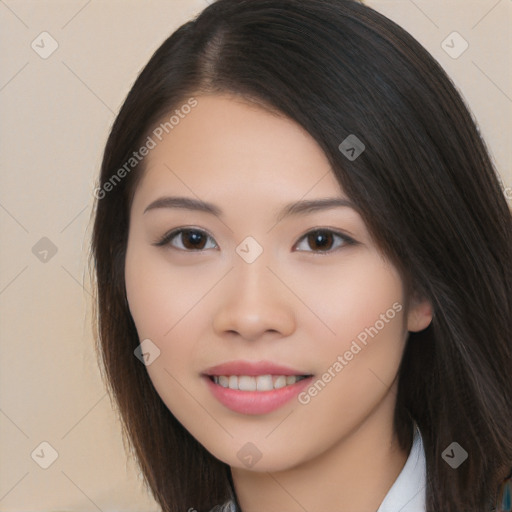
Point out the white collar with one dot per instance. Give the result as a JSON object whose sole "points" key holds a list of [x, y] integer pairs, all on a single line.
{"points": [[408, 492]]}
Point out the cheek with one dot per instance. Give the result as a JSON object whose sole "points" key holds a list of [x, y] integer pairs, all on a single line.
{"points": [[362, 303], [161, 301], [144, 291], [364, 306], [160, 295], [169, 305], [352, 296]]}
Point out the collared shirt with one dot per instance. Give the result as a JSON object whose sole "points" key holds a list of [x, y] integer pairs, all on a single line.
{"points": [[407, 494]]}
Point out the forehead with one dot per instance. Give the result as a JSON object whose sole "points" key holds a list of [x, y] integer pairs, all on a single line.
{"points": [[228, 145]]}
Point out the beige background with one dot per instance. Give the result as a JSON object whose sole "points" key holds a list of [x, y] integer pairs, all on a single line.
{"points": [[55, 117]]}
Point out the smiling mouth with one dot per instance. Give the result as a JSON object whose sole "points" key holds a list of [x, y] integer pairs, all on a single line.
{"points": [[256, 383], [256, 394]]}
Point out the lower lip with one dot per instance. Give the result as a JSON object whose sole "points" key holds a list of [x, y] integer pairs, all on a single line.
{"points": [[256, 402]]}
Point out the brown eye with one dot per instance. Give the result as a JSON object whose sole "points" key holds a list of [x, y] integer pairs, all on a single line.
{"points": [[192, 240], [323, 240]]}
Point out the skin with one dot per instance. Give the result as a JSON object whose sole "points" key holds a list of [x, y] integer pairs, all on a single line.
{"points": [[296, 304]]}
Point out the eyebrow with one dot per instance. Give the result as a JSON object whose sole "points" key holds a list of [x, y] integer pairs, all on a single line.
{"points": [[296, 208]]}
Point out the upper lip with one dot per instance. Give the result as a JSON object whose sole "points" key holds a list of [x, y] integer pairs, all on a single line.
{"points": [[253, 369]]}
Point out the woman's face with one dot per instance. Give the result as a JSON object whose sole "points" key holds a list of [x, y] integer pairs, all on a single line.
{"points": [[253, 282]]}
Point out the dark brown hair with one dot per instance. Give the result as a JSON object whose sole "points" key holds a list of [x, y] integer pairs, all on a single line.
{"points": [[425, 186]]}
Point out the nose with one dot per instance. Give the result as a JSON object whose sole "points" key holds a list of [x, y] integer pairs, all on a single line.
{"points": [[254, 303]]}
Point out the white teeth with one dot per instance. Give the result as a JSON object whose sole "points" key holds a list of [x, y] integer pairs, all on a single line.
{"points": [[263, 382], [290, 379], [223, 381], [245, 383], [259, 383], [282, 381]]}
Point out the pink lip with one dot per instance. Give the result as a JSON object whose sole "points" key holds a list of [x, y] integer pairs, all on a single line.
{"points": [[255, 402], [253, 369]]}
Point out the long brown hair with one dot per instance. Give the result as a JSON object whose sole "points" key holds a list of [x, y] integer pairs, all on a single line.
{"points": [[425, 186]]}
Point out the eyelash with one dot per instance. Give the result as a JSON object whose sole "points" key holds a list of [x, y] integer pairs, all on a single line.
{"points": [[168, 237]]}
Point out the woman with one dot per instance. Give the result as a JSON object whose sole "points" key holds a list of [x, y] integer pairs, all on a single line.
{"points": [[302, 256]]}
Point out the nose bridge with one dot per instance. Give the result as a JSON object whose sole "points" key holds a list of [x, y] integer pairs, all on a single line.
{"points": [[255, 301], [252, 274], [254, 277], [255, 287]]}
